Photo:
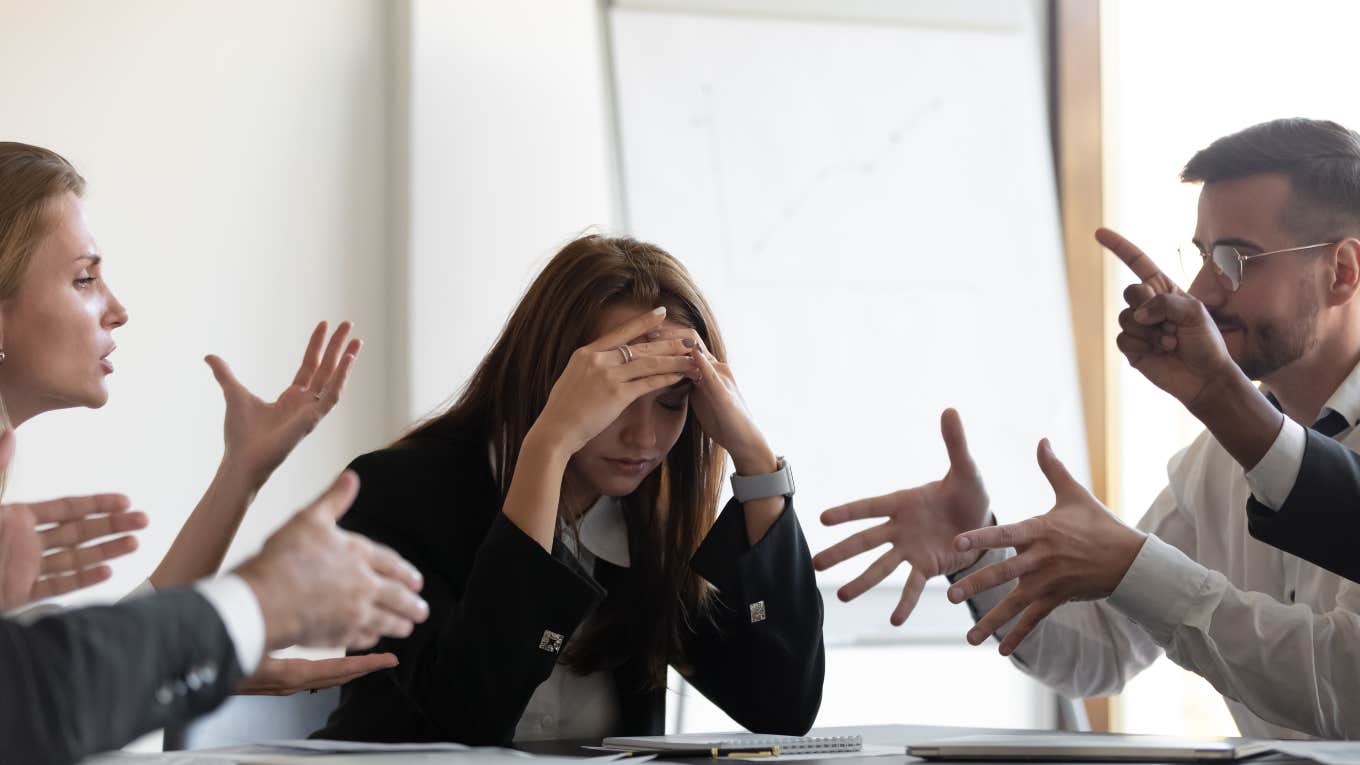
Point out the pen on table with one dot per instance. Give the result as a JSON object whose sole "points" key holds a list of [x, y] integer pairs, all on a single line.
{"points": [[713, 752]]}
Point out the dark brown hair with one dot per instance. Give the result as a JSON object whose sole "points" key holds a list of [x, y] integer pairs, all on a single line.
{"points": [[673, 509], [1320, 158]]}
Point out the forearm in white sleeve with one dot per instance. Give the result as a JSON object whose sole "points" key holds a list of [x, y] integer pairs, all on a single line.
{"points": [[1272, 479], [1286, 663], [1080, 649], [236, 603]]}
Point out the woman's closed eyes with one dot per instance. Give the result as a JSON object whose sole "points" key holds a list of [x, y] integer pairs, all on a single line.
{"points": [[677, 405], [676, 397]]}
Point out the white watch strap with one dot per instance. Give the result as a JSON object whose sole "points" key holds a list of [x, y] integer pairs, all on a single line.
{"points": [[751, 487]]}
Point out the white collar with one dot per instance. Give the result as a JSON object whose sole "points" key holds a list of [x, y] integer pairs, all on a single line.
{"points": [[604, 532], [603, 529], [1345, 400]]}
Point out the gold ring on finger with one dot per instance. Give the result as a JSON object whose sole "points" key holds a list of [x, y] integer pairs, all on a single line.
{"points": [[626, 352]]}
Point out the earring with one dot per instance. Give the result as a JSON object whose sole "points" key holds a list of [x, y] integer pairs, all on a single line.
{"points": [[2, 357]]}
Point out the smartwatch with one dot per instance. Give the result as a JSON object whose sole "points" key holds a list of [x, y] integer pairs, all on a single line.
{"points": [[779, 483]]}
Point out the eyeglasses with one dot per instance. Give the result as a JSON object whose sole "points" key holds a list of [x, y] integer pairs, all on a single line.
{"points": [[1228, 262]]}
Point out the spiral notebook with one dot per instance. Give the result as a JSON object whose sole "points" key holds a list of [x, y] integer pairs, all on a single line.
{"points": [[786, 744]]}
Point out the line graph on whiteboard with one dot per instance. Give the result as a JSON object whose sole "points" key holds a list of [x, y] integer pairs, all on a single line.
{"points": [[755, 239], [805, 155], [797, 200]]}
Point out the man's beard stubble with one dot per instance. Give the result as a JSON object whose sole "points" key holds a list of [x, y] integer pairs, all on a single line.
{"points": [[1271, 345]]}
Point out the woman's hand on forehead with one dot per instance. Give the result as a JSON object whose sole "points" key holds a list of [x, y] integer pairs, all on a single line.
{"points": [[664, 334]]}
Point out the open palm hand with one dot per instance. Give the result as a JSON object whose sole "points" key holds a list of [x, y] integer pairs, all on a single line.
{"points": [[260, 434]]}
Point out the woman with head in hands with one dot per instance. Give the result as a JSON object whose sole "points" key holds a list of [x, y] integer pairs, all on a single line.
{"points": [[564, 514], [57, 319]]}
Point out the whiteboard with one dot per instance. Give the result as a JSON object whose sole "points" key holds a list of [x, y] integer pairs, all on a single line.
{"points": [[871, 209]]}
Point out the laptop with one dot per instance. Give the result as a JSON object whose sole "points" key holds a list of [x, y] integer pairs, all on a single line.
{"points": [[1088, 747]]}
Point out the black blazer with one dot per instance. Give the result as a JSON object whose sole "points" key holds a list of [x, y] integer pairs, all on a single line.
{"points": [[94, 679], [468, 672], [1320, 519]]}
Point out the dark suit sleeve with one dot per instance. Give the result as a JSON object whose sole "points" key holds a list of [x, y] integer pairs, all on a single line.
{"points": [[471, 668], [1320, 519], [94, 679], [760, 658]]}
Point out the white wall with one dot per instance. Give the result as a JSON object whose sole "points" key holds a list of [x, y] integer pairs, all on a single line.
{"points": [[236, 159], [509, 159]]}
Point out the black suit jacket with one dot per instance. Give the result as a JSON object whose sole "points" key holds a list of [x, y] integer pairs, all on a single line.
{"points": [[94, 679], [468, 672], [1320, 520]]}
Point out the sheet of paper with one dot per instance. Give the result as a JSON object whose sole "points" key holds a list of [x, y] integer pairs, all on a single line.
{"points": [[476, 756], [159, 758], [335, 752], [341, 747], [298, 757]]}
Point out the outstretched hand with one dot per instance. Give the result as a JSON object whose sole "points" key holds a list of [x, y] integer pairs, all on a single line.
{"points": [[319, 585], [284, 677], [260, 434], [921, 525], [1076, 551], [43, 545]]}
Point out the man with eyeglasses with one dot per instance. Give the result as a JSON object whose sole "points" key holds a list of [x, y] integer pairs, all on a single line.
{"points": [[1277, 299], [1305, 482]]}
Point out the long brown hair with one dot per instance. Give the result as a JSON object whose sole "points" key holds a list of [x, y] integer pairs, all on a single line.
{"points": [[31, 178], [674, 507]]}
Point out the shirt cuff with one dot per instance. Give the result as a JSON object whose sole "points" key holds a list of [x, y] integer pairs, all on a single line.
{"points": [[1159, 588], [1272, 479], [984, 601], [236, 603], [140, 591]]}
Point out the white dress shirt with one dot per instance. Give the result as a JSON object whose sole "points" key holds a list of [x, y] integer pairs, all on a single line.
{"points": [[1276, 635], [569, 705]]}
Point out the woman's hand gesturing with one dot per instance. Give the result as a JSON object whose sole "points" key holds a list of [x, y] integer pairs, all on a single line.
{"points": [[260, 434]]}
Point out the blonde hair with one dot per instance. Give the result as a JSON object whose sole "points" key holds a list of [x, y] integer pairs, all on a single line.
{"points": [[31, 179]]}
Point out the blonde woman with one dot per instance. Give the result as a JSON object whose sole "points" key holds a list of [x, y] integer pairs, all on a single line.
{"points": [[58, 316]]}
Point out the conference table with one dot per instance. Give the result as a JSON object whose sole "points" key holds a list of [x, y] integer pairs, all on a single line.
{"points": [[897, 737], [886, 745]]}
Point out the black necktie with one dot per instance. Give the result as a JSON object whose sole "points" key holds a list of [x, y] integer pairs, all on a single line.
{"points": [[1329, 425]]}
